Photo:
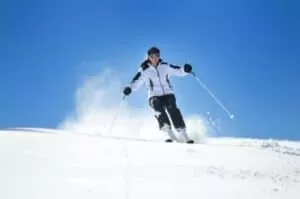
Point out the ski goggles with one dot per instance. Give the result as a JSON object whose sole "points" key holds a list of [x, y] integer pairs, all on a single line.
{"points": [[154, 55]]}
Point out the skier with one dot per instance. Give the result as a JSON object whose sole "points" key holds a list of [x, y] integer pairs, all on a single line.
{"points": [[155, 73]]}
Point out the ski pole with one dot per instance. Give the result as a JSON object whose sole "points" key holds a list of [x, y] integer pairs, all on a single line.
{"points": [[230, 115], [115, 116]]}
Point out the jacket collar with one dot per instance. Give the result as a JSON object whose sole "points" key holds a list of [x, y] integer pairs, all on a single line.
{"points": [[159, 62]]}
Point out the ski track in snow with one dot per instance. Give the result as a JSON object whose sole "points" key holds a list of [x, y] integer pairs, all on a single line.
{"points": [[50, 163]]}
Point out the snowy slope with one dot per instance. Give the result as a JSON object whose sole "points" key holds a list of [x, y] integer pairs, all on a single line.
{"points": [[48, 164]]}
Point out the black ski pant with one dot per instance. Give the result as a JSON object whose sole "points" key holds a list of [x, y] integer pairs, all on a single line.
{"points": [[164, 103]]}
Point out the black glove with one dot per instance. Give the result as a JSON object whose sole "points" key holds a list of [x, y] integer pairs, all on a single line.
{"points": [[127, 90], [187, 68]]}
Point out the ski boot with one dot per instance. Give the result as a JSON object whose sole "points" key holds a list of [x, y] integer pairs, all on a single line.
{"points": [[183, 133], [169, 134]]}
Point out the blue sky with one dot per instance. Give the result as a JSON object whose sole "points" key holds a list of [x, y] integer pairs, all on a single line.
{"points": [[247, 52]]}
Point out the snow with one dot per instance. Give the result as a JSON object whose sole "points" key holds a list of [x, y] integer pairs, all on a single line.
{"points": [[50, 163], [99, 151]]}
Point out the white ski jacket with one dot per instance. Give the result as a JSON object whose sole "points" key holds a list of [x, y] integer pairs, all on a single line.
{"points": [[156, 78]]}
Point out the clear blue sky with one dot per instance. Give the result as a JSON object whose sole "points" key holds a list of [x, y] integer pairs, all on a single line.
{"points": [[246, 51]]}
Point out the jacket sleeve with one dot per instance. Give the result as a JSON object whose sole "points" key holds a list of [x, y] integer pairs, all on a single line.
{"points": [[138, 80], [174, 70]]}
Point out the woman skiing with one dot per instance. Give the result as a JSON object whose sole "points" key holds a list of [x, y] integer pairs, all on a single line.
{"points": [[155, 73]]}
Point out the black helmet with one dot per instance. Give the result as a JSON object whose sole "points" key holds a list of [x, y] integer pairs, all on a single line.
{"points": [[153, 50]]}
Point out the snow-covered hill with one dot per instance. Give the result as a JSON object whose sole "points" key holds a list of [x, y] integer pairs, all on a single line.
{"points": [[43, 163]]}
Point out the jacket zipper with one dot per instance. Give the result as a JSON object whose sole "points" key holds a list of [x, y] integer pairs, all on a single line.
{"points": [[163, 90]]}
